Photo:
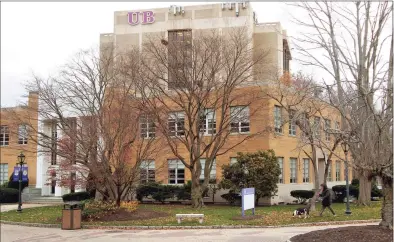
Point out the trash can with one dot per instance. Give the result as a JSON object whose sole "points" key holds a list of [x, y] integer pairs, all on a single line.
{"points": [[71, 216]]}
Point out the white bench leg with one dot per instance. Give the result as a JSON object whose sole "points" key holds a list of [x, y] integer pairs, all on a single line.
{"points": [[201, 220], [179, 220]]}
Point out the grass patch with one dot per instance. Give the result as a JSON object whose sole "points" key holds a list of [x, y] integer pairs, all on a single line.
{"points": [[214, 215]]}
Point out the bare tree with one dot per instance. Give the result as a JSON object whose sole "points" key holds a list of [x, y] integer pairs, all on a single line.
{"points": [[206, 79], [299, 98], [373, 133], [349, 41], [94, 111]]}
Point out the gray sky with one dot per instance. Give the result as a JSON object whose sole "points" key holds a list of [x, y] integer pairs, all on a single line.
{"points": [[39, 37]]}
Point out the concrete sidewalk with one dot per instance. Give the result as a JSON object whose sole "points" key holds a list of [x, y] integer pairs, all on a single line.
{"points": [[8, 207], [15, 233]]}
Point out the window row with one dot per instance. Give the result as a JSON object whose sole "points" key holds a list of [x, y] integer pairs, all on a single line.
{"points": [[5, 135], [176, 171], [293, 175], [3, 173], [305, 170], [239, 116], [316, 125]]}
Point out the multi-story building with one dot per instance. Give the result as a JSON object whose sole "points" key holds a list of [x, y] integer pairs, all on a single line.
{"points": [[132, 28], [15, 137]]}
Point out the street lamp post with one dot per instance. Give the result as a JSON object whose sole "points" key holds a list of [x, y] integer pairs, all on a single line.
{"points": [[21, 162], [345, 147]]}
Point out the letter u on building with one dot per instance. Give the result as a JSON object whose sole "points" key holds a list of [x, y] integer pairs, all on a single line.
{"points": [[133, 17]]}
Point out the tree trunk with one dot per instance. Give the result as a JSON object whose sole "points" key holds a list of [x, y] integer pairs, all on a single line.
{"points": [[197, 199], [118, 200], [317, 190], [387, 204], [316, 180], [326, 167], [364, 196]]}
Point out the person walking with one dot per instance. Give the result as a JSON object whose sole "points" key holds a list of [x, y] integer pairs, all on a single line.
{"points": [[327, 199]]}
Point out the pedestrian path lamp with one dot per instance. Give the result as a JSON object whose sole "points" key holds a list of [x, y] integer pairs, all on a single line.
{"points": [[21, 162], [345, 148]]}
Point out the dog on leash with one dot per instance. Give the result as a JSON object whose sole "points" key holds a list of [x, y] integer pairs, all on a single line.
{"points": [[302, 211]]}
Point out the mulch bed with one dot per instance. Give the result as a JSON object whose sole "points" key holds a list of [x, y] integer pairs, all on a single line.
{"points": [[369, 233], [123, 215], [248, 217]]}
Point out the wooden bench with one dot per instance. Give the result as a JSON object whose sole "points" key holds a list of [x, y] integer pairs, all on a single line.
{"points": [[200, 217]]}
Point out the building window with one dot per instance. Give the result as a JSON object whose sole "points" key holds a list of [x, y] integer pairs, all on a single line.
{"points": [[292, 125], [304, 123], [73, 181], [337, 125], [3, 173], [212, 174], [147, 126], [233, 160], [4, 135], [70, 131], [240, 119], [327, 125], [179, 57], [280, 162], [53, 143], [176, 172], [286, 57], [337, 171], [147, 171], [305, 178], [278, 119], [22, 134], [176, 123], [208, 122], [316, 125], [293, 170], [329, 174]]}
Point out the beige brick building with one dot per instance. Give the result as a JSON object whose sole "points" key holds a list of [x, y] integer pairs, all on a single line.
{"points": [[297, 172], [15, 137], [132, 28]]}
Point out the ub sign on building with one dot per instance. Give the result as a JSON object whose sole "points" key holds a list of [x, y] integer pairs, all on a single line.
{"points": [[247, 200], [147, 17]]}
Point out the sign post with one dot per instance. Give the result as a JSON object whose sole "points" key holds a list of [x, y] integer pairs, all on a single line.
{"points": [[247, 200]]}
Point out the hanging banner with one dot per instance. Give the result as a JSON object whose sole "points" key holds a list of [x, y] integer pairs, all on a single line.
{"points": [[15, 175]]}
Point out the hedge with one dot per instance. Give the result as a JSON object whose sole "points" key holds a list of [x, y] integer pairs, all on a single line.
{"points": [[15, 184], [9, 195], [77, 196], [375, 191], [157, 191], [340, 191], [231, 197], [161, 193], [302, 195]]}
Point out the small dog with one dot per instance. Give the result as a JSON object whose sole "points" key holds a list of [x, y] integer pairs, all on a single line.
{"points": [[302, 211]]}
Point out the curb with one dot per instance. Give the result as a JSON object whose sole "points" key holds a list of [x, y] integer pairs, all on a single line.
{"points": [[191, 227]]}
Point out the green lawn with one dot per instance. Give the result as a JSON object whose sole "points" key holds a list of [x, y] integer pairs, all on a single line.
{"points": [[214, 215]]}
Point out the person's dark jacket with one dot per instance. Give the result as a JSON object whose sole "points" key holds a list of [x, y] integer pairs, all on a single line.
{"points": [[326, 195]]}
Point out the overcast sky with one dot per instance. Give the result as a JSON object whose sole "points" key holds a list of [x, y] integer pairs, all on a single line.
{"points": [[39, 37]]}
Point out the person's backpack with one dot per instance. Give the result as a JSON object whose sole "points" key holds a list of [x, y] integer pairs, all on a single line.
{"points": [[333, 196]]}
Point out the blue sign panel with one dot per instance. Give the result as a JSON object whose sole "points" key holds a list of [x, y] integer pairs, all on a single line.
{"points": [[15, 175], [248, 191]]}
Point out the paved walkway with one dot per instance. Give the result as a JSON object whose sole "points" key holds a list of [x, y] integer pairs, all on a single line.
{"points": [[8, 207], [15, 233]]}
